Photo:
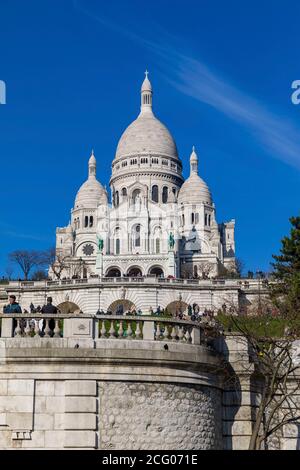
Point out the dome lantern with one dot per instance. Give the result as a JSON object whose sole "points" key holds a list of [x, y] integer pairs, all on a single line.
{"points": [[92, 165], [193, 162], [146, 95]]}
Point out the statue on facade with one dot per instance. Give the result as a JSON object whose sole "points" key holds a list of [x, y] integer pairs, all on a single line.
{"points": [[138, 203], [171, 241], [100, 244]]}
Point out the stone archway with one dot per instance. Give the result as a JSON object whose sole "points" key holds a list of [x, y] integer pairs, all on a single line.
{"points": [[121, 306], [113, 272], [134, 271], [68, 307], [176, 307], [156, 271]]}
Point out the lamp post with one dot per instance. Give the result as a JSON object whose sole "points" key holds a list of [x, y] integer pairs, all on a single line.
{"points": [[180, 302]]}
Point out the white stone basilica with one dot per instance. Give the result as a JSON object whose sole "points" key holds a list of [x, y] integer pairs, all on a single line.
{"points": [[157, 223]]}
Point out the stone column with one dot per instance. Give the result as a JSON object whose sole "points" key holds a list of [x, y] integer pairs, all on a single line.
{"points": [[99, 264]]}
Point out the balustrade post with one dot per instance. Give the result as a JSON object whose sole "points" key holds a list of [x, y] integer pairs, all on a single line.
{"points": [[7, 328], [195, 335], [148, 330]]}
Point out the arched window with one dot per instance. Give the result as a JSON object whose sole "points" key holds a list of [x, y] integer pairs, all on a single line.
{"points": [[117, 199], [157, 246], [209, 220], [117, 246], [165, 194], [124, 192], [138, 236], [86, 221], [155, 193], [196, 218], [205, 219], [91, 221], [183, 219], [192, 218]]}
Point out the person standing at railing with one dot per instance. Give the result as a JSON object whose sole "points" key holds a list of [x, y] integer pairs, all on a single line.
{"points": [[13, 306], [49, 308]]}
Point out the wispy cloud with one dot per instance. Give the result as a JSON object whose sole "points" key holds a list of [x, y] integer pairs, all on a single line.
{"points": [[279, 136], [27, 236]]}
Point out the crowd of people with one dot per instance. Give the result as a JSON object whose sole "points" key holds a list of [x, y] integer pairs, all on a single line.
{"points": [[14, 307], [192, 313]]}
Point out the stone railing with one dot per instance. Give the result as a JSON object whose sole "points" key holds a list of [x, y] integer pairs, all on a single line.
{"points": [[95, 280], [100, 327], [150, 328]]}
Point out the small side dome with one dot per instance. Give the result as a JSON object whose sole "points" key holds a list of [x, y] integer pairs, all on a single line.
{"points": [[91, 194], [194, 190]]}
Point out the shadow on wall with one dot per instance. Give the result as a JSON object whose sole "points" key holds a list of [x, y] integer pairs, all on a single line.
{"points": [[232, 392], [68, 307]]}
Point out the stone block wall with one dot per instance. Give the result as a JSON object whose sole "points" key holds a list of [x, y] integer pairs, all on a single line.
{"points": [[56, 414], [159, 416]]}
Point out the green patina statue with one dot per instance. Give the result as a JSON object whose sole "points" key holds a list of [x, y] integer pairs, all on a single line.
{"points": [[171, 240], [100, 243]]}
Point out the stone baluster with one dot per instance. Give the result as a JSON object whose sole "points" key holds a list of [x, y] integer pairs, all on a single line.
{"points": [[56, 330], [138, 331], [174, 332], [166, 332], [18, 330], [129, 330], [36, 328], [180, 333], [157, 333], [103, 330], [112, 331], [47, 330], [121, 330], [27, 329], [188, 336]]}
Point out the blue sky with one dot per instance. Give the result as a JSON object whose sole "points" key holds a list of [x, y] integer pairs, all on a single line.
{"points": [[221, 73]]}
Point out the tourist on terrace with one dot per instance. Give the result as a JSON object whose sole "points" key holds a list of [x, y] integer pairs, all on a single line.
{"points": [[49, 308], [13, 306]]}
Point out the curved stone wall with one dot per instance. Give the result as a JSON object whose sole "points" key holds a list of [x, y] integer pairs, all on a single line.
{"points": [[159, 416]]}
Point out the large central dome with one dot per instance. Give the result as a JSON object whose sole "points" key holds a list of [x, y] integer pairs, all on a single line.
{"points": [[146, 135]]}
